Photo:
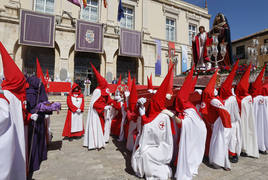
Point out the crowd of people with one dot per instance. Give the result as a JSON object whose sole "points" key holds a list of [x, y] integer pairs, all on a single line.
{"points": [[163, 127]]}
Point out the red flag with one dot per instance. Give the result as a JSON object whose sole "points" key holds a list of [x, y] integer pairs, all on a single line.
{"points": [[105, 3], [40, 74], [85, 3]]}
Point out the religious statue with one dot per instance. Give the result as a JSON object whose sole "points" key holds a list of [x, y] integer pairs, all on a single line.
{"points": [[222, 29]]}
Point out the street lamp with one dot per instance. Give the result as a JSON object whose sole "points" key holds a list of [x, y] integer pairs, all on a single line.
{"points": [[212, 50], [253, 52]]}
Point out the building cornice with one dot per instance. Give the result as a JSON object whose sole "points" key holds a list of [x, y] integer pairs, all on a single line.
{"points": [[187, 7], [260, 33]]}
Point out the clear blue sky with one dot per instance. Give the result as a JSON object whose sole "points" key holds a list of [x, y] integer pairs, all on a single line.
{"points": [[245, 16]]}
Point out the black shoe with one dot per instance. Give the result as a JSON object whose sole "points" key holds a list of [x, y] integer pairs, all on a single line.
{"points": [[263, 152], [243, 154], [233, 159]]}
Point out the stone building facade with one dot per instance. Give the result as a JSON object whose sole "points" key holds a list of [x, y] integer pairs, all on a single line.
{"points": [[240, 47], [151, 21]]}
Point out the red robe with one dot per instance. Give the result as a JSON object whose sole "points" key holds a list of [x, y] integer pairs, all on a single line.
{"points": [[211, 117], [72, 108]]}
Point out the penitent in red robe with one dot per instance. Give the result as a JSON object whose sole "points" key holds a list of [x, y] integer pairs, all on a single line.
{"points": [[71, 109]]}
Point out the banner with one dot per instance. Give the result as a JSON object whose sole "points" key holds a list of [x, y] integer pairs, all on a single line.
{"points": [[184, 58], [130, 43], [36, 29], [158, 60], [89, 36]]}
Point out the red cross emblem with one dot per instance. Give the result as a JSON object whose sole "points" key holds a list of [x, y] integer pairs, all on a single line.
{"points": [[161, 125], [250, 101], [261, 101]]}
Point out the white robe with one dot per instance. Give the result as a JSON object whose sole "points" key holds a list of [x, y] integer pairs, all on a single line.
{"points": [[261, 117], [220, 138], [248, 128], [191, 146], [235, 143], [77, 118], [108, 116], [12, 139], [155, 148], [132, 127], [124, 115], [94, 137]]}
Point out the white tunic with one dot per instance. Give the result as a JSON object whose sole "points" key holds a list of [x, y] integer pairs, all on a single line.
{"points": [[94, 137], [12, 142], [132, 127], [191, 146], [235, 143], [155, 148], [220, 138], [77, 118], [248, 128], [261, 117]]}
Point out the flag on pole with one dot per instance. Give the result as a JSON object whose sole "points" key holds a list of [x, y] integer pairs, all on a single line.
{"points": [[120, 11], [76, 2], [85, 3], [105, 3], [39, 73]]}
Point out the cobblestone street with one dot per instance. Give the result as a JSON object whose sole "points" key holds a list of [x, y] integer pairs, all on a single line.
{"points": [[68, 160]]}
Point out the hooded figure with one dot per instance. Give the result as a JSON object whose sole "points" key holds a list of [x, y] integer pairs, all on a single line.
{"points": [[153, 148], [36, 94], [231, 105], [192, 135], [74, 121], [133, 117], [261, 113], [97, 130], [12, 139], [218, 123], [248, 123]]}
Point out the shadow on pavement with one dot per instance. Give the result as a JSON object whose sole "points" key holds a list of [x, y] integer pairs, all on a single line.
{"points": [[54, 145], [121, 146]]}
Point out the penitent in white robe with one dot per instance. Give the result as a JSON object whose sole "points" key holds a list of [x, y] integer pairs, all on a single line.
{"points": [[248, 128], [12, 142], [124, 115], [153, 149], [94, 137], [261, 117], [191, 146], [108, 116], [235, 141], [131, 130], [220, 138]]}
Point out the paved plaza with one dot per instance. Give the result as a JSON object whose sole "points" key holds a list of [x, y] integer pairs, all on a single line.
{"points": [[68, 160]]}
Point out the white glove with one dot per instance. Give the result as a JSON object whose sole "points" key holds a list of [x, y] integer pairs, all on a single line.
{"points": [[142, 101], [46, 116], [78, 110], [127, 93], [150, 91], [34, 117], [117, 97], [142, 110], [154, 91], [107, 107]]}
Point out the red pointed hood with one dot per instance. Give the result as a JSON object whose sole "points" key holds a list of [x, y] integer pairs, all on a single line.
{"points": [[257, 85], [14, 79], [182, 99], [208, 93], [243, 85], [226, 87], [129, 83], [158, 102], [194, 83], [39, 73], [150, 82], [47, 75], [102, 83], [119, 80], [79, 90], [133, 97]]}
